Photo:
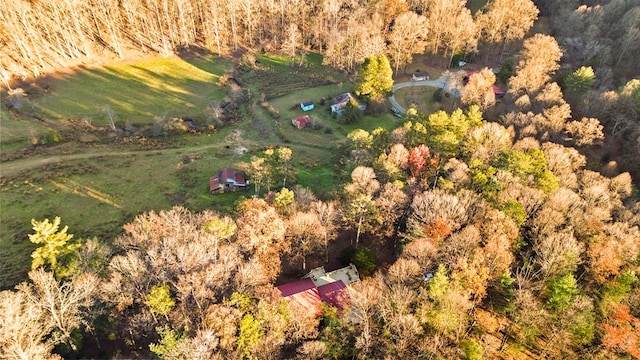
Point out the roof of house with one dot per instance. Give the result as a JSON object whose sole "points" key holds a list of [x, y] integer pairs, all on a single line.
{"points": [[334, 294], [342, 98], [304, 293], [307, 103], [321, 287], [347, 275], [301, 121], [227, 175], [214, 183]]}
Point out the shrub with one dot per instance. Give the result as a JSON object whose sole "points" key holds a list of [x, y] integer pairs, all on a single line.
{"points": [[472, 350], [362, 258], [347, 254], [437, 95], [377, 105]]}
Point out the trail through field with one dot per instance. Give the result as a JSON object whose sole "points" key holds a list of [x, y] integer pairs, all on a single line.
{"points": [[12, 168]]}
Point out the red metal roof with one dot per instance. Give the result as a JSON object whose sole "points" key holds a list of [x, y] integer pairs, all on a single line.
{"points": [[214, 184], [334, 294], [296, 286], [303, 292], [301, 121], [227, 175]]}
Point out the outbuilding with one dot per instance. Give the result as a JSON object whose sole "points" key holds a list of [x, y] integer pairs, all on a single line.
{"points": [[306, 106], [227, 179], [301, 121]]}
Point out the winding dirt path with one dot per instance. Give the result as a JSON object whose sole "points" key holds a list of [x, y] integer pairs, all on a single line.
{"points": [[14, 167]]}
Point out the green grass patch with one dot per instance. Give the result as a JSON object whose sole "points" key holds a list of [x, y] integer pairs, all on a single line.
{"points": [[421, 96], [16, 131], [320, 179], [136, 93], [475, 5]]}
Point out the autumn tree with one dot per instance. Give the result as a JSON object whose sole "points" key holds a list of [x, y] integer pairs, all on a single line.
{"points": [[374, 77], [462, 38], [24, 328], [392, 204], [407, 37], [65, 305], [539, 61], [261, 234], [587, 131], [159, 300], [329, 216], [486, 142], [622, 332], [305, 234], [420, 161], [361, 212], [479, 89], [503, 21], [56, 249]]}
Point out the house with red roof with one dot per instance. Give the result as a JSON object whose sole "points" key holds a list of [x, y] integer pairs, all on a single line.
{"points": [[319, 287], [301, 121], [228, 179]]}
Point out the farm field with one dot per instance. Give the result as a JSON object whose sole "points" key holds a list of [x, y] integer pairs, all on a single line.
{"points": [[97, 186]]}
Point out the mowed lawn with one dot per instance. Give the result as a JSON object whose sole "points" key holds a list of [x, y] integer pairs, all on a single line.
{"points": [[420, 97], [136, 93]]}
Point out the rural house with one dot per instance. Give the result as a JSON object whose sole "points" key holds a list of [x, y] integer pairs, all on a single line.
{"points": [[301, 121], [228, 179], [306, 106], [339, 102], [318, 287]]}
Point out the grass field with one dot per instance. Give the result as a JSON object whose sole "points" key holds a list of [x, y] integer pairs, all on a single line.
{"points": [[421, 96], [135, 93], [159, 87]]}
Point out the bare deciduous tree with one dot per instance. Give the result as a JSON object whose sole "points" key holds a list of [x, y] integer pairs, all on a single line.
{"points": [[65, 305]]}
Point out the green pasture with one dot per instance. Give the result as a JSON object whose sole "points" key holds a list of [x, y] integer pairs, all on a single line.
{"points": [[16, 131], [96, 196], [136, 93]]}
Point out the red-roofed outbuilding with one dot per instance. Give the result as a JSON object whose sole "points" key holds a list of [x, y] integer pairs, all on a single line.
{"points": [[228, 179]]}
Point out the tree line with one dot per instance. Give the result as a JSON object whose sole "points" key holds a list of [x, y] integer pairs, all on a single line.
{"points": [[37, 36]]}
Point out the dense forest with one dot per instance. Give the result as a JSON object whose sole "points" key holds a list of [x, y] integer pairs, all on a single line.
{"points": [[513, 226]]}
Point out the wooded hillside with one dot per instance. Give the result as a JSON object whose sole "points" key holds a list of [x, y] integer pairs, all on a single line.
{"points": [[502, 229]]}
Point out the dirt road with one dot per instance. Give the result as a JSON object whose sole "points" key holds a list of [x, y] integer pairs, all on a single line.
{"points": [[12, 168]]}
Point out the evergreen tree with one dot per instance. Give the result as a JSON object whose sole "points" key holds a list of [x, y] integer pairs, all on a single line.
{"points": [[56, 248], [375, 77]]}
